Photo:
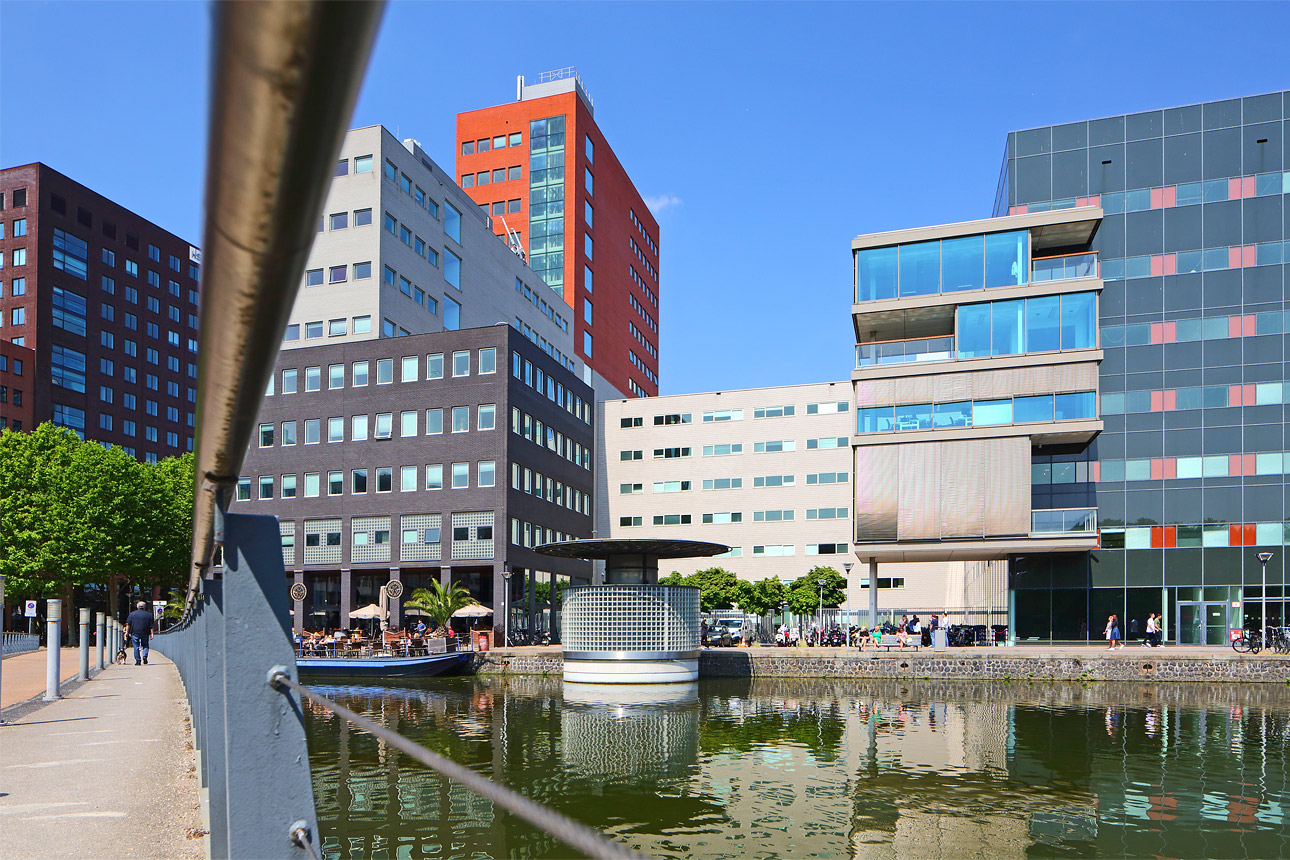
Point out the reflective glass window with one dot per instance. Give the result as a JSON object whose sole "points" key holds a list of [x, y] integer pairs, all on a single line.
{"points": [[916, 416], [1032, 409], [990, 412], [1042, 329], [954, 414], [1080, 405], [1007, 258], [1079, 321], [874, 420], [1007, 331], [962, 263], [920, 268], [876, 274], [973, 330]]}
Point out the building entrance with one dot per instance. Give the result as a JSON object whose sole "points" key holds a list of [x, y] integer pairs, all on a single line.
{"points": [[1202, 623]]}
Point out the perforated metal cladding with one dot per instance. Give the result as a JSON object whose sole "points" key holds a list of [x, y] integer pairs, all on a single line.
{"points": [[943, 490], [980, 385], [630, 618], [420, 551], [368, 548], [322, 553], [876, 499], [474, 546], [287, 528]]}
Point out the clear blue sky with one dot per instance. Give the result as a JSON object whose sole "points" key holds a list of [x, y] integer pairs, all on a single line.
{"points": [[777, 131]]}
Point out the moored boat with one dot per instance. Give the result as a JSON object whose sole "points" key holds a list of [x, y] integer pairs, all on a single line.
{"points": [[385, 666]]}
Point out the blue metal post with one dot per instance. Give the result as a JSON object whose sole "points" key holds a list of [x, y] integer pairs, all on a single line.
{"points": [[101, 628], [53, 648], [84, 673]]}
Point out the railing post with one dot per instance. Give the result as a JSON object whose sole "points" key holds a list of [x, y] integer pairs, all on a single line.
{"points": [[53, 648], [2, 636], [256, 641], [84, 674], [101, 629]]}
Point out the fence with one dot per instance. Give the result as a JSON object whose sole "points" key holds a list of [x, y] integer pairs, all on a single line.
{"points": [[762, 629], [18, 643]]}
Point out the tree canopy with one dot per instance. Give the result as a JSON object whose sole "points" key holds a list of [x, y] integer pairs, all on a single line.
{"points": [[718, 587], [440, 602], [76, 513], [763, 597], [804, 593]]}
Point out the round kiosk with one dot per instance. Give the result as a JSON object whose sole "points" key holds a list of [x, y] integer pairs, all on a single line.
{"points": [[631, 630]]}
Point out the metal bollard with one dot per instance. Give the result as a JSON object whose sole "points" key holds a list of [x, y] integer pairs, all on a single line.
{"points": [[100, 624], [84, 673], [1, 635], [53, 647]]}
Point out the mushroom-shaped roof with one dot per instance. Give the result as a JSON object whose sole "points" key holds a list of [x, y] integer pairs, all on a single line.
{"points": [[656, 547]]}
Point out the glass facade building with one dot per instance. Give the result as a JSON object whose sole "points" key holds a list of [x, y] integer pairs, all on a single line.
{"points": [[1188, 476]]}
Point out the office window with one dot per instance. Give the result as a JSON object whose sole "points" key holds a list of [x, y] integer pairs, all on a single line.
{"points": [[244, 489], [587, 343], [384, 425], [588, 246], [434, 422], [288, 432], [452, 268], [461, 363], [407, 479], [288, 486], [313, 429], [587, 312], [358, 428], [460, 419], [292, 332], [434, 476], [451, 314], [266, 435], [311, 485], [358, 481], [586, 278], [486, 473], [289, 381], [363, 324], [336, 328], [408, 423], [460, 476], [338, 220], [452, 223], [363, 164], [468, 180], [67, 367], [434, 366], [335, 376], [384, 371], [71, 254], [335, 483], [359, 378], [512, 206], [313, 378], [408, 369], [487, 419], [468, 148], [588, 181], [336, 275], [335, 429], [488, 360]]}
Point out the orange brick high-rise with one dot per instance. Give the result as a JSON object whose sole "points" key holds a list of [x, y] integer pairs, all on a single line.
{"points": [[542, 169]]}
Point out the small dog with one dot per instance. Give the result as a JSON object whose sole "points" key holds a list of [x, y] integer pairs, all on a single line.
{"points": [[120, 655]]}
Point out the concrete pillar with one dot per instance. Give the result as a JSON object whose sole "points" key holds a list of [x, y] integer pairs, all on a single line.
{"points": [[530, 579], [302, 608], [499, 604], [873, 592], [346, 597], [554, 627], [445, 575], [396, 604]]}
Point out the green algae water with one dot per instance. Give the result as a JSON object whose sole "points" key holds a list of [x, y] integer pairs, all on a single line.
{"points": [[798, 768]]}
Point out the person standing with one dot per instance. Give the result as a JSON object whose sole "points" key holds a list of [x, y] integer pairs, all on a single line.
{"points": [[1151, 632], [140, 623], [1113, 633]]}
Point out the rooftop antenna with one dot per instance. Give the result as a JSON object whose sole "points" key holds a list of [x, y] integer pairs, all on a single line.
{"points": [[519, 88]]}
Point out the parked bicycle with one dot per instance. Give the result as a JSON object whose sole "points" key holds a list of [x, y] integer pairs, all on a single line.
{"points": [[1249, 642]]}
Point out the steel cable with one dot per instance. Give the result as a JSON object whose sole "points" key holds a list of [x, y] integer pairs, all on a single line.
{"points": [[568, 831]]}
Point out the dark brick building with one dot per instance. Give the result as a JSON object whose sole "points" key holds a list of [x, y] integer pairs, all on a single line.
{"points": [[107, 302], [17, 377], [444, 456]]}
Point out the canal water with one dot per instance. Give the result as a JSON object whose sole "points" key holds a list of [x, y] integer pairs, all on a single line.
{"points": [[790, 768]]}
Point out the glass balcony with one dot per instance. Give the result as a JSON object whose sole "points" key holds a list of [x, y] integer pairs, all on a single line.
{"points": [[1064, 521], [1063, 268], [905, 351]]}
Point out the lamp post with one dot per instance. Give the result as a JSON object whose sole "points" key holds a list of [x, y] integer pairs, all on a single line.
{"points": [[1264, 558], [846, 568], [820, 614], [506, 605]]}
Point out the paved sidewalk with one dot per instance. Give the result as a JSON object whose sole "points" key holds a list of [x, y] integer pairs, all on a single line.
{"points": [[23, 675], [106, 772]]}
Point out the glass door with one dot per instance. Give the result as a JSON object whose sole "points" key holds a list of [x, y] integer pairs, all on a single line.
{"points": [[1216, 624], [1190, 624]]}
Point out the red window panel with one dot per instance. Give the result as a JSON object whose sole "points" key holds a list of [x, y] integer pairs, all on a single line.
{"points": [[1248, 467], [1247, 255], [1234, 534], [1170, 196], [1234, 462], [1171, 468], [1234, 257], [1234, 189], [1157, 401], [1233, 326], [1171, 330], [1097, 476], [1157, 198], [1171, 399], [1234, 395], [1247, 186], [1171, 264], [1171, 537], [1019, 210], [1095, 200], [1157, 537], [1157, 265], [1247, 395], [1157, 332], [1157, 469], [1248, 538], [1248, 329]]}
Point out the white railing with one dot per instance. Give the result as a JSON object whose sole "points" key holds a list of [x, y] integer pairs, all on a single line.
{"points": [[18, 643]]}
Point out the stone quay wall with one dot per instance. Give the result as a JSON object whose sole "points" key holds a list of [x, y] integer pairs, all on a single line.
{"points": [[985, 664]]}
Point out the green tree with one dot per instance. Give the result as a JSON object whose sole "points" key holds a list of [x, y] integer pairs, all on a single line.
{"points": [[804, 593], [36, 535], [674, 578], [439, 602], [718, 588], [761, 598]]}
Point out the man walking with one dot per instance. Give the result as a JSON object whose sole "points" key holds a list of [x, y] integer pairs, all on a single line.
{"points": [[139, 623]]}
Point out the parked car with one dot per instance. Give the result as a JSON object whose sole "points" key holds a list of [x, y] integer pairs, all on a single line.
{"points": [[736, 628], [718, 636]]}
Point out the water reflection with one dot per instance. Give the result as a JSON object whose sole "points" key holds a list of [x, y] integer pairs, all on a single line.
{"points": [[741, 768]]}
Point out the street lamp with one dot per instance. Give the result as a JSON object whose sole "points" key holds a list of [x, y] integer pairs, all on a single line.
{"points": [[506, 605], [1264, 558], [820, 614], [846, 567]]}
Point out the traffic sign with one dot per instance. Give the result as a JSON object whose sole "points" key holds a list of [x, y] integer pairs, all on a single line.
{"points": [[31, 609]]}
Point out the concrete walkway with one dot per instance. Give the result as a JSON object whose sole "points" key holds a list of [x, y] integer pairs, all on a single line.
{"points": [[106, 772], [23, 675]]}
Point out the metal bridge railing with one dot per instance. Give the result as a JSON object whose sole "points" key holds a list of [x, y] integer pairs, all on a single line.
{"points": [[285, 81], [19, 643]]}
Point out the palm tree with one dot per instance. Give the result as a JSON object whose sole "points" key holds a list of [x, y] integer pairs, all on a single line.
{"points": [[440, 602]]}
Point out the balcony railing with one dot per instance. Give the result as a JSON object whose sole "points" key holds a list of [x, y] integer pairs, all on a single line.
{"points": [[905, 351], [1063, 268], [1064, 521]]}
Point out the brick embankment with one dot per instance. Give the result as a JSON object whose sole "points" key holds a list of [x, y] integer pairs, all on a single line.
{"points": [[1074, 663]]}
